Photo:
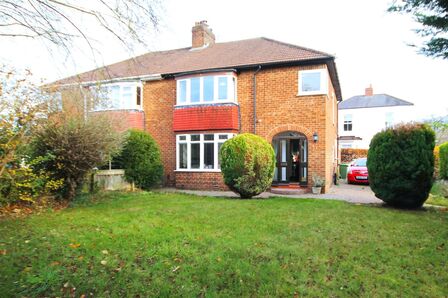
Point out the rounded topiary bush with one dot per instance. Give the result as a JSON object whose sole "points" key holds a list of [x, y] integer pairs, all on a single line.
{"points": [[140, 159], [247, 164], [401, 165]]}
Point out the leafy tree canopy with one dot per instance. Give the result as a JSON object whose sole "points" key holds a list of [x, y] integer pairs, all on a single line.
{"points": [[433, 16]]}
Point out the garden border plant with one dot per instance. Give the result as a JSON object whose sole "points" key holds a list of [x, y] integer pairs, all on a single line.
{"points": [[247, 164], [401, 164]]}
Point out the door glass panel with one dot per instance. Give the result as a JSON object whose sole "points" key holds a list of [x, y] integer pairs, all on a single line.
{"points": [[304, 150], [304, 174], [283, 145], [275, 174], [283, 173]]}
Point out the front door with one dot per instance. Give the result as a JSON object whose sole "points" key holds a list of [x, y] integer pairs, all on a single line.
{"points": [[291, 159]]}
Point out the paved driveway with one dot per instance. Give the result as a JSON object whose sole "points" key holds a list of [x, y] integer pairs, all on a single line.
{"points": [[344, 192]]}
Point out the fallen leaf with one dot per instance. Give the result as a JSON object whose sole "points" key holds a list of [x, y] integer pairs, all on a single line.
{"points": [[103, 262], [105, 252], [80, 258], [2, 252], [74, 245], [176, 268], [55, 263], [27, 241]]}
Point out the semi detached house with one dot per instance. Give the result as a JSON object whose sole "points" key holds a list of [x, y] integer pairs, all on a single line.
{"points": [[192, 100]]}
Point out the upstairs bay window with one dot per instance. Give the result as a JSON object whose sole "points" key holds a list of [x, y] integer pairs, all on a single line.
{"points": [[199, 152], [120, 96], [206, 89], [313, 82]]}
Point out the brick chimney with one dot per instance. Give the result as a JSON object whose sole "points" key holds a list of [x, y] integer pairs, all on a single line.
{"points": [[202, 35], [369, 91]]}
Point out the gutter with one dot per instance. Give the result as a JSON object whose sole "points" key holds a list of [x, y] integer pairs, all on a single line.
{"points": [[154, 77], [255, 99]]}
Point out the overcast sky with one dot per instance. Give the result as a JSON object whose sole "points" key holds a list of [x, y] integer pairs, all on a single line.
{"points": [[370, 44]]}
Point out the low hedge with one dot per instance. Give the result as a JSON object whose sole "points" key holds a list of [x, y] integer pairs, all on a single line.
{"points": [[443, 161], [349, 154]]}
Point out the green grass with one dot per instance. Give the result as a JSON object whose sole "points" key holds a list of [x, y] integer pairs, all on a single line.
{"points": [[181, 245], [439, 194]]}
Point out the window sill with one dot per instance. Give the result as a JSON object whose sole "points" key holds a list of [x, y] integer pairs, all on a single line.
{"points": [[206, 103], [312, 93], [198, 171], [118, 109]]}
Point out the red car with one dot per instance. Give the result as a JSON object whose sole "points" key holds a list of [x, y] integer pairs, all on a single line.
{"points": [[357, 171]]}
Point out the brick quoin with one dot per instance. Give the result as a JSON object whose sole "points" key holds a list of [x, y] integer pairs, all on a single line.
{"points": [[279, 109]]}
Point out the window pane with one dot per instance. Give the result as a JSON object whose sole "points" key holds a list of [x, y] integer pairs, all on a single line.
{"points": [[195, 155], [208, 88], [209, 155], [114, 97], [311, 81], [182, 138], [223, 137], [139, 96], [209, 137], [222, 88], [183, 156], [195, 137], [182, 92], [126, 97], [195, 90], [219, 154]]}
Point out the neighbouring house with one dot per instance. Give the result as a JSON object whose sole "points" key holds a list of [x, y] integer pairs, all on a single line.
{"points": [[193, 99], [362, 116]]}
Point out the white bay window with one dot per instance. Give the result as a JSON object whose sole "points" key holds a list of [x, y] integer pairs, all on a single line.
{"points": [[199, 152], [118, 96], [206, 89]]}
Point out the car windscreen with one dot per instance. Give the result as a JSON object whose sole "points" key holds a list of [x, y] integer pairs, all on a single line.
{"points": [[360, 162]]}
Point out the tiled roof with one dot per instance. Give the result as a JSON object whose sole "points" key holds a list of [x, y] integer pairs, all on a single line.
{"points": [[374, 101], [235, 54]]}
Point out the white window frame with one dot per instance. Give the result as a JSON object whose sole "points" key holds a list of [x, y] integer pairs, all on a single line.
{"points": [[323, 82], [188, 141], [231, 89], [123, 105], [351, 122], [389, 115]]}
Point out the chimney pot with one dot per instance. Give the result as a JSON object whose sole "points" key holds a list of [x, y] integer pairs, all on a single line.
{"points": [[202, 35], [369, 91]]}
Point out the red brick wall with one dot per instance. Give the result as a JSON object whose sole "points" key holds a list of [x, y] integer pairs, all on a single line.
{"points": [[279, 109], [159, 98], [124, 119], [200, 181]]}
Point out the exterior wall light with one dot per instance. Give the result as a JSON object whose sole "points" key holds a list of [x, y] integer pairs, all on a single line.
{"points": [[315, 137]]}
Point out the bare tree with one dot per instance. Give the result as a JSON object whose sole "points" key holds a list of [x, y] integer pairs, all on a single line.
{"points": [[61, 22]]}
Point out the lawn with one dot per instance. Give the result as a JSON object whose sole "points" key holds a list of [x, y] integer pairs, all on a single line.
{"points": [[439, 194], [152, 244]]}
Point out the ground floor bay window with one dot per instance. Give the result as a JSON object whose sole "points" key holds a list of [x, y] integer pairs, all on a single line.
{"points": [[199, 152]]}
